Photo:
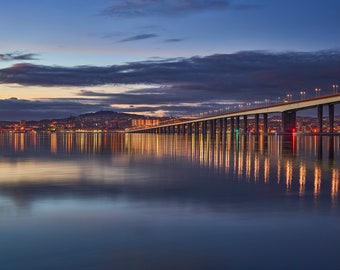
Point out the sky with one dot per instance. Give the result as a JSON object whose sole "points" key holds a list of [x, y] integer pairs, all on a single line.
{"points": [[163, 58]]}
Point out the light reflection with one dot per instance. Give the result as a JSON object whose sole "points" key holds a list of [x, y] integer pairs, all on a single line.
{"points": [[302, 178], [253, 159], [266, 169], [335, 184], [317, 180], [256, 167], [278, 171], [289, 174], [54, 143]]}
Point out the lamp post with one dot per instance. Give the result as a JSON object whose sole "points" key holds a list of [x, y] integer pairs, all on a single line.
{"points": [[335, 88], [289, 96], [303, 94], [317, 92], [266, 101]]}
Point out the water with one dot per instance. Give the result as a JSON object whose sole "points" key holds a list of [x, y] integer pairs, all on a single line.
{"points": [[147, 201]]}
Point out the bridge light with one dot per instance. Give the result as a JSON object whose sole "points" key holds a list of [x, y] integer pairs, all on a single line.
{"points": [[303, 94], [317, 92]]}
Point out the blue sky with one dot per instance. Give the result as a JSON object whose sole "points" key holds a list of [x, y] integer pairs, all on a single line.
{"points": [[143, 56]]}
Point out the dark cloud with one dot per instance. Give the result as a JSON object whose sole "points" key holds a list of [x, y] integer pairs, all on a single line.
{"points": [[179, 85], [138, 37], [174, 40], [17, 56], [140, 8]]}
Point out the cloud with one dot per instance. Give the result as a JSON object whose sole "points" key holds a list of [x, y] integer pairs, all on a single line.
{"points": [[141, 8], [15, 56], [186, 85], [138, 37], [174, 40]]}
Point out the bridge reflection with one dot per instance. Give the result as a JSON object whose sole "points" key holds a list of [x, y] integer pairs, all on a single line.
{"points": [[296, 162], [302, 165]]}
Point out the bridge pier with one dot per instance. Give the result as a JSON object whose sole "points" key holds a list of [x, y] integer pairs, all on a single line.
{"points": [[221, 126], [225, 125], [190, 128], [245, 123], [213, 128], [232, 126], [205, 127], [237, 124], [288, 121], [196, 127], [265, 123], [257, 117], [331, 118], [320, 116]]}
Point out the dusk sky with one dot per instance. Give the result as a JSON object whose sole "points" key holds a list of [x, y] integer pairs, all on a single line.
{"points": [[179, 58]]}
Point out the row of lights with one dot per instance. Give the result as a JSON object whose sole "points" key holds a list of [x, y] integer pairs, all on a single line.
{"points": [[267, 101], [317, 92]]}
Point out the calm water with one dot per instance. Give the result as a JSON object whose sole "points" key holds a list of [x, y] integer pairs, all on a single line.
{"points": [[112, 201]]}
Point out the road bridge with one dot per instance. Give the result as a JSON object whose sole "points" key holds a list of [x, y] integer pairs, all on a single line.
{"points": [[287, 110]]}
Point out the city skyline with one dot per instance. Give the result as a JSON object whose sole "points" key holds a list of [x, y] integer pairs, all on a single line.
{"points": [[162, 58]]}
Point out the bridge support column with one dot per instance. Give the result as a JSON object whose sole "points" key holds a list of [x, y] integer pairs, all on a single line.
{"points": [[225, 125], [245, 123], [205, 127], [232, 126], [288, 121], [221, 126], [331, 117], [320, 116], [265, 123], [213, 128], [196, 127], [237, 124], [257, 117], [190, 128]]}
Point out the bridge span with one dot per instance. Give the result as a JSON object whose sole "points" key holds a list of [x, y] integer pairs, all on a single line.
{"points": [[287, 110]]}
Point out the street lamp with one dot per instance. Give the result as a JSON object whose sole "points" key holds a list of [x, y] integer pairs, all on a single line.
{"points": [[289, 96], [303, 94], [317, 92], [335, 88], [266, 101]]}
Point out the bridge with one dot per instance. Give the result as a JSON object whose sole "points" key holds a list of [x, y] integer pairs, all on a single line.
{"points": [[221, 121]]}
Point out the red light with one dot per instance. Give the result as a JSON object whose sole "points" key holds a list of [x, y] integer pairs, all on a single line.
{"points": [[293, 129]]}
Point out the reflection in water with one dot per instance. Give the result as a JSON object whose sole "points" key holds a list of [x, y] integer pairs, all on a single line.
{"points": [[317, 180], [289, 174], [302, 179], [146, 201], [257, 159]]}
